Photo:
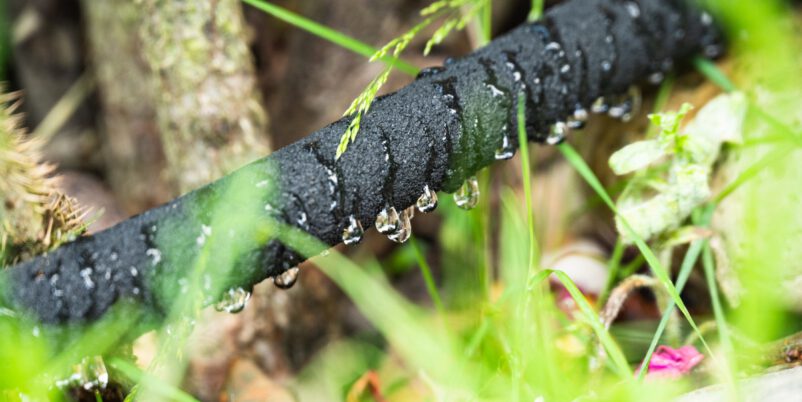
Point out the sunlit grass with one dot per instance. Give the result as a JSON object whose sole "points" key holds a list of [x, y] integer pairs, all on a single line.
{"points": [[331, 35]]}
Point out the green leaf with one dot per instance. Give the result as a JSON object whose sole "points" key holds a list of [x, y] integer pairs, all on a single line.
{"points": [[636, 156], [329, 34]]}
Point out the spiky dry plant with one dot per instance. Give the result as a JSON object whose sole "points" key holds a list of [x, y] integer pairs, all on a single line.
{"points": [[34, 216]]}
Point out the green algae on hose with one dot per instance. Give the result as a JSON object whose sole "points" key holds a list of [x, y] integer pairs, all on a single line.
{"points": [[433, 134]]}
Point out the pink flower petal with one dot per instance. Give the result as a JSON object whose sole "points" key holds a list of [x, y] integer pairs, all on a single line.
{"points": [[673, 363]]}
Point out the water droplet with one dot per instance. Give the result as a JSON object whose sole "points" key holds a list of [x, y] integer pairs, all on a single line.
{"points": [[287, 279], [427, 202], [557, 133], [506, 150], [706, 18], [627, 105], [495, 91], [86, 275], [633, 9], [98, 373], [656, 78], [606, 66], [565, 68], [90, 374], [387, 221], [155, 254], [468, 194], [233, 301], [302, 219], [600, 105], [578, 119], [553, 46], [353, 231], [404, 229], [713, 51]]}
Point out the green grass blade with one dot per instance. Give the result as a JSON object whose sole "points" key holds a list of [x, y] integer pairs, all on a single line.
{"points": [[330, 35], [135, 374], [613, 269], [536, 11], [611, 347], [718, 311], [714, 74], [423, 346], [773, 157], [426, 271], [486, 23], [657, 268], [691, 256], [523, 143]]}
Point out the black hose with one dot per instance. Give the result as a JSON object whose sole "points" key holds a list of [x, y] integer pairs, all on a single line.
{"points": [[434, 133]]}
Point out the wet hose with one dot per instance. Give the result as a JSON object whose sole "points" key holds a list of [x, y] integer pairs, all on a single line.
{"points": [[432, 135]]}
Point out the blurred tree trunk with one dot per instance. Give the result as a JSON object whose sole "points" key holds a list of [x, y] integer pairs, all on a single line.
{"points": [[181, 108], [209, 113], [131, 144]]}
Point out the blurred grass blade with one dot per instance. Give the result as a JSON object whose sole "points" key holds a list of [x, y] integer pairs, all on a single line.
{"points": [[135, 374], [330, 35], [536, 11], [423, 346], [714, 74], [527, 179], [613, 269], [610, 346], [775, 156], [718, 311], [691, 256], [654, 263], [65, 107], [426, 271]]}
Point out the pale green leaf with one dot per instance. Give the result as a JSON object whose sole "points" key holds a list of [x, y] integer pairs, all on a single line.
{"points": [[636, 156]]}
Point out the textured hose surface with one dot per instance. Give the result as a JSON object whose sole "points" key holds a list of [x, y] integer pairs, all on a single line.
{"points": [[435, 132]]}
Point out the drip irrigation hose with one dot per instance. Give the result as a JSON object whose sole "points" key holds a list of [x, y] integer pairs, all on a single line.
{"points": [[432, 135]]}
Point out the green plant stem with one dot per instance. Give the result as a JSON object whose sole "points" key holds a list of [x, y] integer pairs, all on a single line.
{"points": [[654, 263], [773, 157], [527, 179], [613, 268], [688, 262], [428, 278], [691, 256], [632, 267], [330, 35], [137, 375], [721, 321], [610, 346], [536, 11], [486, 23], [660, 103], [714, 74]]}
